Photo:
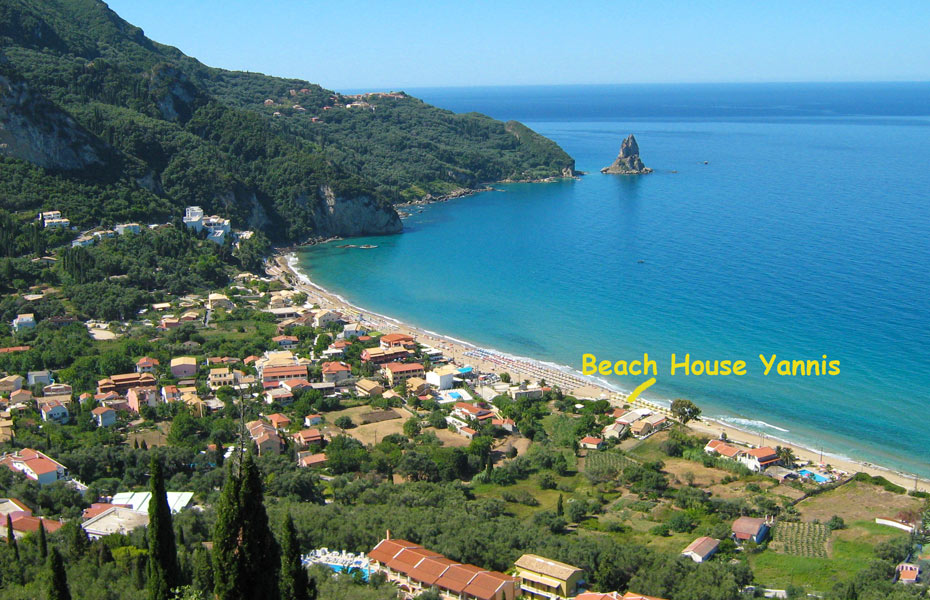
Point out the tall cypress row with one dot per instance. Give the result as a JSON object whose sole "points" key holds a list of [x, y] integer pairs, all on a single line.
{"points": [[226, 575], [57, 578], [294, 579], [164, 573], [260, 555], [246, 558]]}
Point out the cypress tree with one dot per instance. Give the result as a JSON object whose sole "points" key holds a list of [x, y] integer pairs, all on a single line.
{"points": [[43, 541], [559, 509], [260, 562], [294, 580], [203, 571], [163, 569], [11, 537], [226, 540], [245, 554], [58, 579]]}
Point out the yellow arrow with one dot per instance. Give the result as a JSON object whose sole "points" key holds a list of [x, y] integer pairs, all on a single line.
{"points": [[639, 390]]}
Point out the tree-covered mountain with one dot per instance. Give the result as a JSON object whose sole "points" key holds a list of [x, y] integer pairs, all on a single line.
{"points": [[107, 125]]}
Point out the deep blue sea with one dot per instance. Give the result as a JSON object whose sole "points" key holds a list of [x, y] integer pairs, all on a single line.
{"points": [[787, 219]]}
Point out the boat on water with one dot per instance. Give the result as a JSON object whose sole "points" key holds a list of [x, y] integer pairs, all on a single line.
{"points": [[368, 246]]}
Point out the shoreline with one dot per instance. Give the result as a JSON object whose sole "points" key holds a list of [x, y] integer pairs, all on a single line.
{"points": [[283, 265]]}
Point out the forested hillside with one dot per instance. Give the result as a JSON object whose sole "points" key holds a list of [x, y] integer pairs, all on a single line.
{"points": [[106, 125]]}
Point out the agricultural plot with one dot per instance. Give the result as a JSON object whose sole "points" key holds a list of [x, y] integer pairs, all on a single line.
{"points": [[606, 461], [801, 539]]}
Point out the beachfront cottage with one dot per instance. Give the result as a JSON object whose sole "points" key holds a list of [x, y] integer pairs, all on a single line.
{"points": [[750, 529], [395, 340], [545, 578], [380, 356], [722, 448], [701, 549], [758, 459], [648, 425], [466, 411]]}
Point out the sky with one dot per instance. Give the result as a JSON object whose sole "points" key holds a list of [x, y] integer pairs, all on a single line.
{"points": [[362, 44]]}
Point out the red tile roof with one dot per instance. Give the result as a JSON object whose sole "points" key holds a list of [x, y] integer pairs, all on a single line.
{"points": [[396, 367], [457, 577], [29, 524], [388, 549]]}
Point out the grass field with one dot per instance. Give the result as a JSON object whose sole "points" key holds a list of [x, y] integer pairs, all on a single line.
{"points": [[856, 501], [851, 550]]}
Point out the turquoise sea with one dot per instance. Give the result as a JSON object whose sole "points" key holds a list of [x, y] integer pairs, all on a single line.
{"points": [[787, 219]]}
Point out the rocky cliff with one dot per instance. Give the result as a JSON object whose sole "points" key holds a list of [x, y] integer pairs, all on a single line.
{"points": [[628, 161]]}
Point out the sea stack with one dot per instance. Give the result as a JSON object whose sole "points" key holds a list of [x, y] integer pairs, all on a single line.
{"points": [[628, 161]]}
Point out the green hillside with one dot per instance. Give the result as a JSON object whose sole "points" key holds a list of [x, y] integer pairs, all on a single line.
{"points": [[107, 125]]}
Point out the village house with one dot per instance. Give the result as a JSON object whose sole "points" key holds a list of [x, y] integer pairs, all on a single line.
{"points": [[23, 322], [322, 318], [544, 578], [281, 395], [170, 393], [35, 465], [183, 367], [311, 420], [279, 421], [907, 573], [336, 372], [417, 386], [220, 377], [614, 430], [138, 397], [591, 443], [397, 373], [146, 364], [308, 436], [466, 411], [395, 340], [276, 375], [525, 392], [125, 382], [722, 448], [380, 356], [508, 425], [442, 378], [365, 388], [13, 508], [648, 425], [418, 569], [114, 520], [23, 524], [285, 342], [701, 549], [55, 411], [266, 438], [21, 396], [104, 416], [750, 529], [468, 433], [11, 383], [217, 301], [57, 389], [758, 459], [43, 377], [310, 459]]}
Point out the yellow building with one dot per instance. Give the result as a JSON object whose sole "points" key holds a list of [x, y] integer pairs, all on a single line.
{"points": [[547, 579]]}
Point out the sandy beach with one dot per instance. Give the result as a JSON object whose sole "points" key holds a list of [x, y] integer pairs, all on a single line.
{"points": [[486, 361]]}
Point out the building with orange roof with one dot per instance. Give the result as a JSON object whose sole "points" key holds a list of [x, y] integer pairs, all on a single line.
{"points": [[35, 465], [395, 340], [335, 372], [759, 459], [26, 524]]}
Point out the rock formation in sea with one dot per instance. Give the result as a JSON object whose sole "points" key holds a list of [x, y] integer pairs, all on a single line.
{"points": [[628, 161]]}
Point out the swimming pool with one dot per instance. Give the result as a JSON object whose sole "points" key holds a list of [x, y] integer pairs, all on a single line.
{"points": [[815, 476]]}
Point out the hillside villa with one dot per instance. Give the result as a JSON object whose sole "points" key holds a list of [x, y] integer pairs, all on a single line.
{"points": [[543, 578]]}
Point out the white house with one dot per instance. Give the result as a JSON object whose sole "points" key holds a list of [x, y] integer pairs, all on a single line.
{"points": [[701, 549], [23, 322], [128, 228], [758, 459], [441, 378], [35, 465]]}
